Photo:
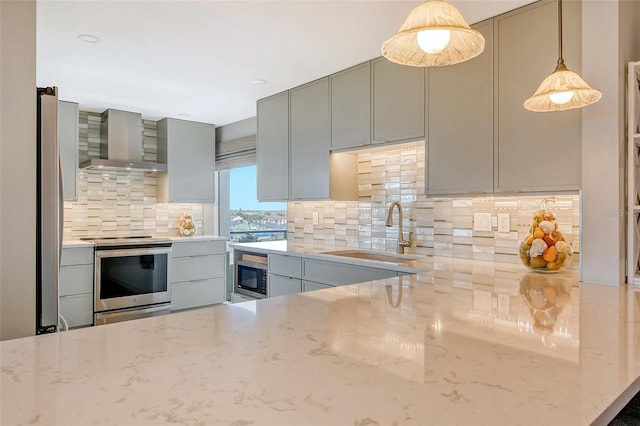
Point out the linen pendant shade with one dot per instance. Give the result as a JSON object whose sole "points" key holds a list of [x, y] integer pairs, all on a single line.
{"points": [[563, 89], [434, 34]]}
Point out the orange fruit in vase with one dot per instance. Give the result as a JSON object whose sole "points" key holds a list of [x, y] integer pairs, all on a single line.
{"points": [[538, 233], [550, 254], [550, 241]]}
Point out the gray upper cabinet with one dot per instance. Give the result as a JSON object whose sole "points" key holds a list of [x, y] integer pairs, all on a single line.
{"points": [[460, 129], [68, 134], [535, 151], [310, 131], [273, 148], [188, 149], [398, 104], [351, 107]]}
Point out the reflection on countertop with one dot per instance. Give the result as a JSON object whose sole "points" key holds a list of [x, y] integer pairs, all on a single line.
{"points": [[456, 344]]}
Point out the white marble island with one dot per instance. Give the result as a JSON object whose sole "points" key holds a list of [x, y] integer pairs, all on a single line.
{"points": [[458, 345]]}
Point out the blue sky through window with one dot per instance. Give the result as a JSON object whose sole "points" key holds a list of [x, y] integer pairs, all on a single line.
{"points": [[243, 191]]}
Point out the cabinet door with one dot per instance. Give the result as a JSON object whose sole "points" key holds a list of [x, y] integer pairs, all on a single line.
{"points": [[77, 309], [278, 285], [535, 151], [336, 273], [190, 158], [351, 107], [75, 279], [460, 111], [311, 286], [273, 148], [197, 267], [290, 266], [191, 294], [68, 142], [310, 141], [398, 104]]}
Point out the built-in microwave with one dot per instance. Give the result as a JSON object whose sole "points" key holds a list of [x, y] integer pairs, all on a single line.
{"points": [[251, 278]]}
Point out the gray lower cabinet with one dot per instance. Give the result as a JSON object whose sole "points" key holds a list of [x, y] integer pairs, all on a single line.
{"points": [[460, 117], [198, 271], [188, 149], [68, 139], [398, 101], [310, 133], [337, 273], [351, 107], [284, 275], [311, 286], [76, 286], [289, 274], [273, 147], [278, 285], [286, 265], [535, 151]]}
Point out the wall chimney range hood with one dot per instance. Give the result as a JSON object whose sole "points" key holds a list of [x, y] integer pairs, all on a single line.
{"points": [[121, 143]]}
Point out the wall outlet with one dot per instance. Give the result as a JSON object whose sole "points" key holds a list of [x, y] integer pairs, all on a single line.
{"points": [[482, 222], [504, 222], [315, 218]]}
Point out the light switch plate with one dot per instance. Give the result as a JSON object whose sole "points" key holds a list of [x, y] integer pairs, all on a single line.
{"points": [[504, 222], [482, 222]]}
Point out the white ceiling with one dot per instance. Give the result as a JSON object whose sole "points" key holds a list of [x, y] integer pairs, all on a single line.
{"points": [[196, 59]]}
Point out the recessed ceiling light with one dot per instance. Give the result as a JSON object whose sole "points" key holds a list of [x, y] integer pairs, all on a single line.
{"points": [[259, 82], [89, 38]]}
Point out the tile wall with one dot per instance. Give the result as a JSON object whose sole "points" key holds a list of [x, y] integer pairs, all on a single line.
{"points": [[442, 226], [118, 202]]}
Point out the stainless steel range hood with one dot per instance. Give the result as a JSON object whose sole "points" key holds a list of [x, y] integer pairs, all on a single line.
{"points": [[121, 143]]}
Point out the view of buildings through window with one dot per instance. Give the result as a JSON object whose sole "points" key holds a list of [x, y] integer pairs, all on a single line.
{"points": [[250, 220]]}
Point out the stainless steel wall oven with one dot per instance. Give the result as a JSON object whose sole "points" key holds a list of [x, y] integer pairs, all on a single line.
{"points": [[132, 278]]}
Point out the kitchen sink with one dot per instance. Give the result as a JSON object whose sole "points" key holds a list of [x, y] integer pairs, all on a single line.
{"points": [[373, 255]]}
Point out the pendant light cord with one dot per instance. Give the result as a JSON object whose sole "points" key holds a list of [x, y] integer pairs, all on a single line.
{"points": [[560, 58]]}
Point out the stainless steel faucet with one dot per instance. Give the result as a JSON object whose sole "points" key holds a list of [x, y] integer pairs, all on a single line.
{"points": [[402, 243]]}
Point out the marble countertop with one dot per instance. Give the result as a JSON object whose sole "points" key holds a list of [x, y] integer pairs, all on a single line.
{"points": [[81, 243], [76, 243], [199, 238], [411, 264], [466, 342]]}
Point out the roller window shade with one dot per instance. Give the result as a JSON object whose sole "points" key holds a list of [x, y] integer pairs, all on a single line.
{"points": [[235, 153]]}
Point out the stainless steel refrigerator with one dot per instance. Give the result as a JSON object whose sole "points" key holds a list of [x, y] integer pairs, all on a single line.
{"points": [[50, 211]]}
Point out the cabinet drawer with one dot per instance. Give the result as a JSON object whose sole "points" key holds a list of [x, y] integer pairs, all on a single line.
{"points": [[77, 256], [278, 285], [191, 294], [197, 267], [289, 266], [311, 286], [334, 273], [77, 309], [191, 248], [76, 279]]}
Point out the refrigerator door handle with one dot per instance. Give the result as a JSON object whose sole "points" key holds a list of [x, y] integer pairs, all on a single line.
{"points": [[60, 210], [49, 220]]}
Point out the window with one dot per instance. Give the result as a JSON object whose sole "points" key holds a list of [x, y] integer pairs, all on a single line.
{"points": [[248, 219]]}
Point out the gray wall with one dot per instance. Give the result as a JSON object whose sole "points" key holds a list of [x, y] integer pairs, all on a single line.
{"points": [[605, 53], [17, 168]]}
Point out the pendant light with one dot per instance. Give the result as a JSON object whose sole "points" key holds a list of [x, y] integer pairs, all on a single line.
{"points": [[434, 34], [563, 89]]}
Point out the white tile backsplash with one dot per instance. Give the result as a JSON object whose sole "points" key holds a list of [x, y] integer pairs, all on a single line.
{"points": [[122, 202], [441, 226]]}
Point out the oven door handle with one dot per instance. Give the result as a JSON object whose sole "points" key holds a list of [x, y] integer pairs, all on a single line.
{"points": [[129, 314], [131, 252]]}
